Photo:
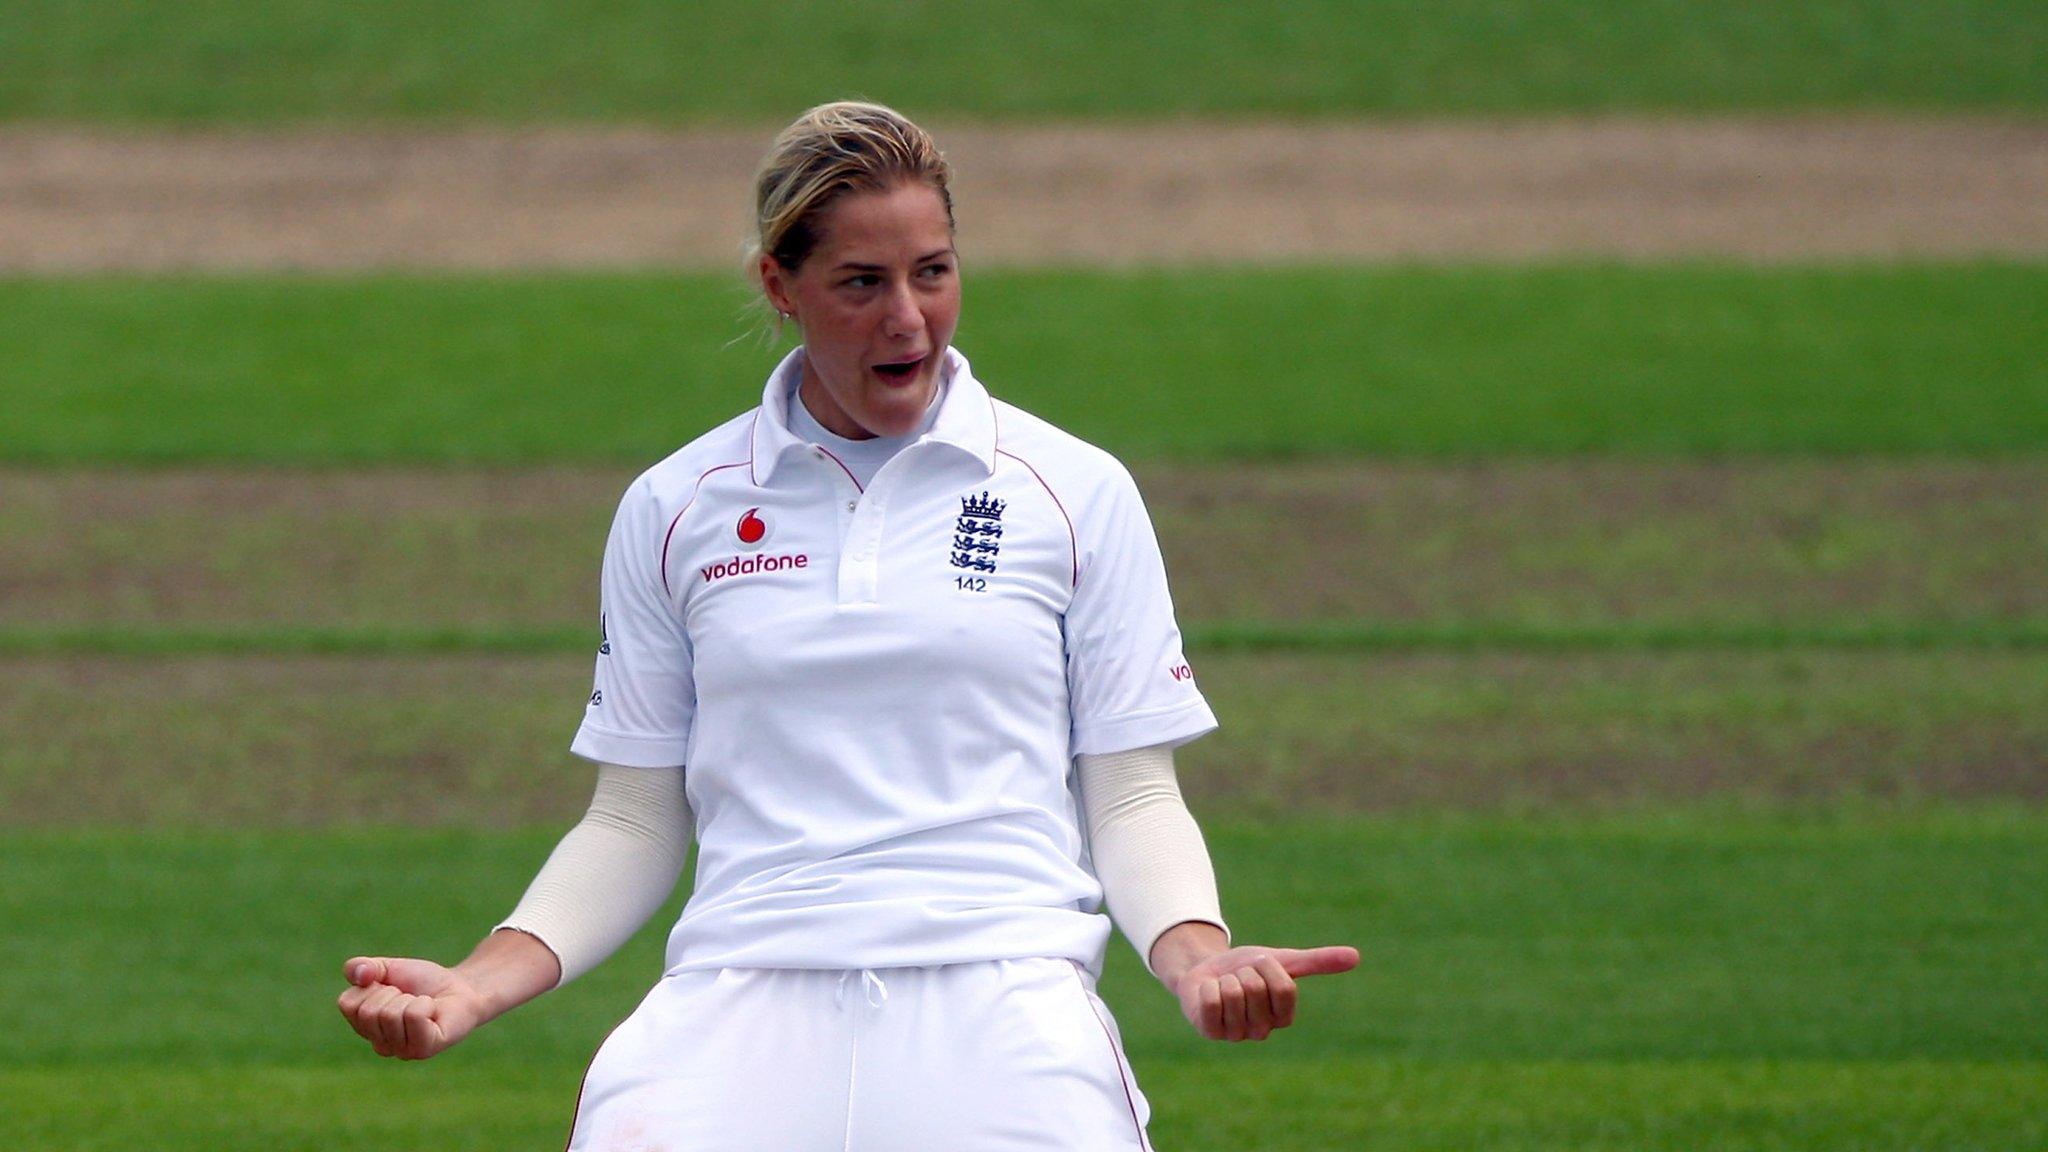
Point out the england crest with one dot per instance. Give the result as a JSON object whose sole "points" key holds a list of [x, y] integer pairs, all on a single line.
{"points": [[978, 533]]}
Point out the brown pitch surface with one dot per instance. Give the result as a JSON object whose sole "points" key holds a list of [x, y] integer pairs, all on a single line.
{"points": [[1563, 542], [216, 740], [1088, 194], [480, 741]]}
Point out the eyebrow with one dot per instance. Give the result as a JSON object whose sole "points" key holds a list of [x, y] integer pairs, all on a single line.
{"points": [[854, 266]]}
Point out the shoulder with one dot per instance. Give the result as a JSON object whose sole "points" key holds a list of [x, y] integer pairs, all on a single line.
{"points": [[728, 446], [665, 489], [1085, 478], [1056, 454]]}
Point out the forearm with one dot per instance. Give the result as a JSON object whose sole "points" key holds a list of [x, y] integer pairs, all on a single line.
{"points": [[1148, 851], [611, 872]]}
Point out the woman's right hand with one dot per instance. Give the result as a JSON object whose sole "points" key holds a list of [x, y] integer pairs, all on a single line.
{"points": [[411, 1009]]}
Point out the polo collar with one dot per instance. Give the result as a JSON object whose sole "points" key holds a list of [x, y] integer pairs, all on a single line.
{"points": [[966, 420]]}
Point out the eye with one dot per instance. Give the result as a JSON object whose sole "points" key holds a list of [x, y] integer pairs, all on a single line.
{"points": [[936, 270], [864, 280]]}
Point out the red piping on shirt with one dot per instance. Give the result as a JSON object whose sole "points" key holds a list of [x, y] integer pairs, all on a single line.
{"points": [[753, 430], [842, 468], [747, 463], [1072, 544]]}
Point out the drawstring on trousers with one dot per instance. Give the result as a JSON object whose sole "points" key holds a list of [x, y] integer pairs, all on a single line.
{"points": [[876, 992]]}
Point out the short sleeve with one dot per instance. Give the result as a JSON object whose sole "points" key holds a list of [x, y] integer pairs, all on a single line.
{"points": [[1129, 682], [645, 695]]}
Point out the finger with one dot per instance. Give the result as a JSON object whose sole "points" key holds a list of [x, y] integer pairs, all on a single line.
{"points": [[1212, 1009], [351, 1002], [1280, 990], [367, 1020], [391, 1021], [1258, 1009], [378, 1043], [418, 1019], [376, 1013], [1317, 961], [1233, 1006], [365, 1023], [358, 999], [398, 1022]]}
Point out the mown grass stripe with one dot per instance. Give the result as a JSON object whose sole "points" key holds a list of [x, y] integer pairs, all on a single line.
{"points": [[721, 60], [276, 641], [1366, 636], [1239, 636], [1451, 363], [1905, 938]]}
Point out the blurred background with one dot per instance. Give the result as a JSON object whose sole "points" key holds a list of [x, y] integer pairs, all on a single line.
{"points": [[1600, 451]]}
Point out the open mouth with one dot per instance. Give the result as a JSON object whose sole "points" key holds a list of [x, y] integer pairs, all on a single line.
{"points": [[899, 370]]}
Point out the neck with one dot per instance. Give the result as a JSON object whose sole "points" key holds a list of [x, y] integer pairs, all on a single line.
{"points": [[810, 392]]}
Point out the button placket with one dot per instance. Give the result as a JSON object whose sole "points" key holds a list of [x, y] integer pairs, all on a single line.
{"points": [[845, 495], [860, 558], [847, 503]]}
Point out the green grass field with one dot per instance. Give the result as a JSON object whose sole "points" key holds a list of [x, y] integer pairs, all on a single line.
{"points": [[551, 60], [1287, 1106], [1681, 642], [1661, 982], [1462, 362], [1660, 650]]}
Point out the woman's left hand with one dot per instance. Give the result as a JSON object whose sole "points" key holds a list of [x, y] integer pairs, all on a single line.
{"points": [[1244, 993]]}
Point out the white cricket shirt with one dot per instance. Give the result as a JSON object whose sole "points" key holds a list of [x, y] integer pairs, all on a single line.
{"points": [[878, 692]]}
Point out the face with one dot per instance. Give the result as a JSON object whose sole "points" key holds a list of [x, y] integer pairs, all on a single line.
{"points": [[877, 300]]}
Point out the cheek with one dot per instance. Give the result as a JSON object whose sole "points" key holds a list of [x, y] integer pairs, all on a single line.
{"points": [[833, 338], [944, 314]]}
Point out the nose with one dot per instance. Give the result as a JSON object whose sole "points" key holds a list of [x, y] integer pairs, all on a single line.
{"points": [[904, 317]]}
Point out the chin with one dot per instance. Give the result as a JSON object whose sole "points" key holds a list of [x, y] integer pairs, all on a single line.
{"points": [[895, 423], [901, 410]]}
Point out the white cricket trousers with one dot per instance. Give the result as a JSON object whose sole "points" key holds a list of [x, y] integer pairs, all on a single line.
{"points": [[993, 1056]]}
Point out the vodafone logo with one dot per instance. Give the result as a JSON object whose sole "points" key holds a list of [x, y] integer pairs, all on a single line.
{"points": [[748, 565], [751, 529]]}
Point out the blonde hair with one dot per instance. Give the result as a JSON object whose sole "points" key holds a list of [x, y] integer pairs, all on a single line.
{"points": [[833, 149]]}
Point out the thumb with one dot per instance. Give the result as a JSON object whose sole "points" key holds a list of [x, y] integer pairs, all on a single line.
{"points": [[1317, 961], [419, 977], [363, 971]]}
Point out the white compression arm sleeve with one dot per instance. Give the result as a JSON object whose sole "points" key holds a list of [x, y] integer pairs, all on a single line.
{"points": [[1148, 852], [611, 871]]}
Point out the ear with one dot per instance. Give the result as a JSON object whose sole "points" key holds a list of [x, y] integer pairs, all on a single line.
{"points": [[775, 285]]}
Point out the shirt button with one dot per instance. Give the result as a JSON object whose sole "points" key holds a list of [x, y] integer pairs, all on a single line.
{"points": [[853, 505]]}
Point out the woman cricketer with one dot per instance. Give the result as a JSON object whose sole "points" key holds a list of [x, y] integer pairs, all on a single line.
{"points": [[902, 658]]}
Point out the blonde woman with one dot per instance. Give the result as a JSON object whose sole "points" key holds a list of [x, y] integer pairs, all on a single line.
{"points": [[902, 658]]}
